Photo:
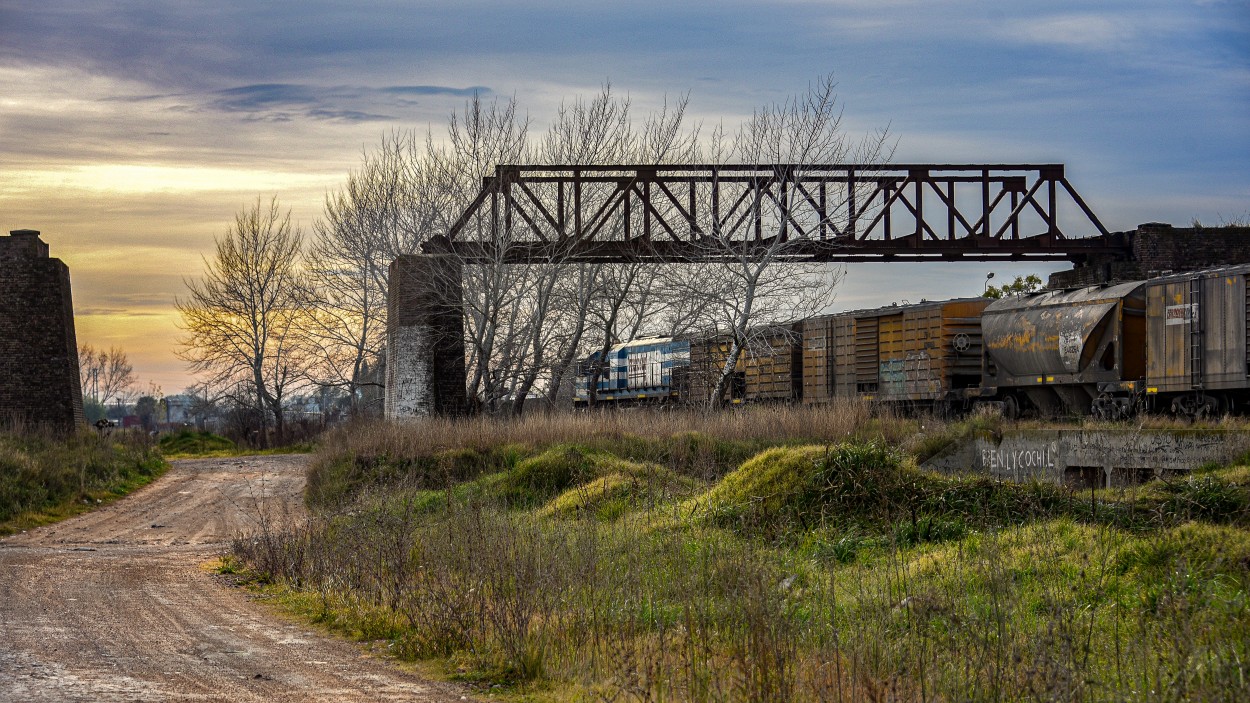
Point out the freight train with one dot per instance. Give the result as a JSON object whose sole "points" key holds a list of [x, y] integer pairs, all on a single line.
{"points": [[1178, 343]]}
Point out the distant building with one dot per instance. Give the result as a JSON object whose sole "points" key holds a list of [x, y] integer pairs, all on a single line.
{"points": [[180, 409]]}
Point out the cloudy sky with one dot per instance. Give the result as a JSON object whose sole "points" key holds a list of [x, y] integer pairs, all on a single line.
{"points": [[130, 133]]}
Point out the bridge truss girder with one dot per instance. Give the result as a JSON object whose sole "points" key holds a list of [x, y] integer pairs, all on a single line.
{"points": [[791, 212]]}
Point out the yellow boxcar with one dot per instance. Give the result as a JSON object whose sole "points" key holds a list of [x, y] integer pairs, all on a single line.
{"points": [[818, 354], [707, 360], [901, 353], [773, 366]]}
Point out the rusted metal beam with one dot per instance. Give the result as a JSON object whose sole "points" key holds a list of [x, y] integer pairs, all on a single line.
{"points": [[1038, 248], [798, 212]]}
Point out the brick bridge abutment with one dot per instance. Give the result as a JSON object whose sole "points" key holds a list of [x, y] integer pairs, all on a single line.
{"points": [[425, 366]]}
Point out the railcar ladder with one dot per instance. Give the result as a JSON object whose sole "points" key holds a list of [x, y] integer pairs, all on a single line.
{"points": [[1195, 332], [1246, 284]]}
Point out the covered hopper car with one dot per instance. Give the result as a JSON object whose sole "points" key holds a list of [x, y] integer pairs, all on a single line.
{"points": [[1055, 352]]}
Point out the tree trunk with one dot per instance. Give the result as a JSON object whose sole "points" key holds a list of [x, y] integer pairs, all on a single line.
{"points": [[726, 375]]}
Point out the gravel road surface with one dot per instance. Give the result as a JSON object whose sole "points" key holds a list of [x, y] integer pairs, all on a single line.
{"points": [[118, 605]]}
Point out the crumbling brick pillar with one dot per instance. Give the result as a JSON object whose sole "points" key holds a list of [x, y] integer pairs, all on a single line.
{"points": [[425, 371], [39, 383]]}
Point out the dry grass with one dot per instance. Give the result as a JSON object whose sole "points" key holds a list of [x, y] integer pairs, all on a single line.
{"points": [[436, 452], [768, 424]]}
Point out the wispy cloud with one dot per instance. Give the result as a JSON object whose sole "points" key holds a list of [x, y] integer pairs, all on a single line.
{"points": [[122, 312], [436, 90], [282, 102], [1090, 31]]}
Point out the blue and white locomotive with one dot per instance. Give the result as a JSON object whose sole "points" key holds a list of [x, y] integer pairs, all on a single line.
{"points": [[635, 372]]}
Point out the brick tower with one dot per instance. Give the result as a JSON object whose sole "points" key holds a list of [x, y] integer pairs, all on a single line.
{"points": [[39, 383]]}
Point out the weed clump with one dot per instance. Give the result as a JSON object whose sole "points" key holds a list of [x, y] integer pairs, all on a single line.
{"points": [[1216, 496]]}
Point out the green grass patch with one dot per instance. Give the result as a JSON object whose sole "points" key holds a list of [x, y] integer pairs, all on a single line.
{"points": [[860, 489], [190, 443], [44, 479], [618, 490]]}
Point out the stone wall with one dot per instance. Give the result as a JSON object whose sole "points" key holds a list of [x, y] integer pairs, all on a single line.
{"points": [[39, 383], [1161, 248], [425, 369]]}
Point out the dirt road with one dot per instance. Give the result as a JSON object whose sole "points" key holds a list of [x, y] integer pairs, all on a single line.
{"points": [[116, 605]]}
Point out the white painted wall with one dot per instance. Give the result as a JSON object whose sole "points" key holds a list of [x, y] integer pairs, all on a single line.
{"points": [[409, 391]]}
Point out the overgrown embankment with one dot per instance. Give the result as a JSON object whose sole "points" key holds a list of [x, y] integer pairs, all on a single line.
{"points": [[783, 554], [44, 478]]}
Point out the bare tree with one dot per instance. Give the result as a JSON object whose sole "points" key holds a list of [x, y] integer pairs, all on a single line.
{"points": [[344, 291], [243, 316], [597, 299], [755, 286], [483, 135], [106, 375], [525, 325]]}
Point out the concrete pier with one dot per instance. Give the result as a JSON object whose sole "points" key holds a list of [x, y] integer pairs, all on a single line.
{"points": [[425, 370]]}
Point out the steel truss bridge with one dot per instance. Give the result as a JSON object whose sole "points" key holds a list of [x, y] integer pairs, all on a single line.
{"points": [[791, 212]]}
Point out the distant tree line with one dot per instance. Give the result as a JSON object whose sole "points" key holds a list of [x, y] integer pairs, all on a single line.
{"points": [[1021, 286]]}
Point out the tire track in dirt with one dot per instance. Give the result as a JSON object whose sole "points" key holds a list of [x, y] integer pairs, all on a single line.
{"points": [[115, 605]]}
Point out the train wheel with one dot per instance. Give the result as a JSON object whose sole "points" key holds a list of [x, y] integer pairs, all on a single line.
{"points": [[1110, 408], [1196, 406], [1011, 408]]}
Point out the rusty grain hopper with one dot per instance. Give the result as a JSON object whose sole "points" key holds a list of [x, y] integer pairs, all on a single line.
{"points": [[1059, 351]]}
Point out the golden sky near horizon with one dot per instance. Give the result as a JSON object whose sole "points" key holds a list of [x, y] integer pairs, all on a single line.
{"points": [[132, 234]]}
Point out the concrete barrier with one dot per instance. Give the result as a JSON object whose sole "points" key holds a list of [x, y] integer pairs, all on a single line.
{"points": [[1085, 458]]}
